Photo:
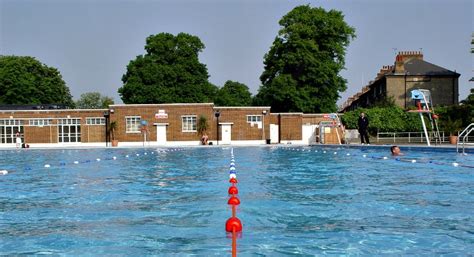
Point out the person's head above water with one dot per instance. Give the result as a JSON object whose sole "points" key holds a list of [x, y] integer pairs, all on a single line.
{"points": [[395, 150]]}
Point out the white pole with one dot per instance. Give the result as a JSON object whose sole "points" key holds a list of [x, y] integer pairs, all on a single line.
{"points": [[423, 120], [424, 128]]}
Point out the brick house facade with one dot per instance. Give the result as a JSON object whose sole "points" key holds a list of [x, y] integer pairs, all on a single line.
{"points": [[409, 72], [160, 124]]}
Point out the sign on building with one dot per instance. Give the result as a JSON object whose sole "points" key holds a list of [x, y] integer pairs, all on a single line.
{"points": [[161, 114]]}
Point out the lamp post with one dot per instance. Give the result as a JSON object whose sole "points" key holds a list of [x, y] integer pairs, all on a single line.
{"points": [[217, 114], [264, 112], [106, 116]]}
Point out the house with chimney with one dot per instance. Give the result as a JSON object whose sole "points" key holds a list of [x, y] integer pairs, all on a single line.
{"points": [[410, 71]]}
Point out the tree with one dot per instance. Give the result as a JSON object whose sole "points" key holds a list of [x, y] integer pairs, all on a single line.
{"points": [[472, 50], [170, 72], [302, 67], [469, 99], [202, 126], [25, 80], [233, 94], [472, 43], [93, 100]]}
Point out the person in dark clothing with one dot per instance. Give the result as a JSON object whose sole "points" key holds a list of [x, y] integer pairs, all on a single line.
{"points": [[363, 124]]}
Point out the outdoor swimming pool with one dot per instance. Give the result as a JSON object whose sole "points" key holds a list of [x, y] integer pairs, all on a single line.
{"points": [[294, 201]]}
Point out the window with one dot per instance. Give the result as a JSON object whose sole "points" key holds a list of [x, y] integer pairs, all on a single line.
{"points": [[133, 124], [95, 121], [69, 130], [40, 122], [8, 130], [254, 118], [11, 122], [189, 123]]}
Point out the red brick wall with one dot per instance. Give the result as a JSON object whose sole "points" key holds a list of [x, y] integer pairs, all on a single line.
{"points": [[291, 127], [49, 134], [174, 129], [241, 129]]}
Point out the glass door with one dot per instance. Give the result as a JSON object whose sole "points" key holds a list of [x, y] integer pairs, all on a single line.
{"points": [[8, 130], [69, 130]]}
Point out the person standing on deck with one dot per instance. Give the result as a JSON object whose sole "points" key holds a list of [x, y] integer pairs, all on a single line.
{"points": [[363, 124], [18, 140]]}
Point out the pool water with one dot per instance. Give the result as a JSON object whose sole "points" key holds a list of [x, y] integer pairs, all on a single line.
{"points": [[295, 201]]}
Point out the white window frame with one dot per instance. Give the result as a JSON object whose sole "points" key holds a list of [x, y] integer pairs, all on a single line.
{"points": [[8, 129], [40, 122], [12, 122], [94, 121], [69, 130], [189, 123], [255, 120], [133, 124]]}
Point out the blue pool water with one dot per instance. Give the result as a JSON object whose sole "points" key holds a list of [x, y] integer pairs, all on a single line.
{"points": [[295, 201]]}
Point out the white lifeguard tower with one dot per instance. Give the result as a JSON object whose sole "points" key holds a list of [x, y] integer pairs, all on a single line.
{"points": [[424, 103]]}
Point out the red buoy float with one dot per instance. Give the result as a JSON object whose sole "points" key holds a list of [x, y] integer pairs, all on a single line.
{"points": [[233, 200], [233, 190], [233, 225], [233, 180]]}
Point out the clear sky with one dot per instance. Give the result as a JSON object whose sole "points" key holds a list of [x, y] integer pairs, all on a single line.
{"points": [[92, 41]]}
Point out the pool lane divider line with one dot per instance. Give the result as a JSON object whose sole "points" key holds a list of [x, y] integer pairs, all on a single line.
{"points": [[233, 224], [454, 164], [113, 158]]}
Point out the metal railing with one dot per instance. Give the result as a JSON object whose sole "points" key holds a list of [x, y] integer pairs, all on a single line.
{"points": [[408, 137], [464, 137]]}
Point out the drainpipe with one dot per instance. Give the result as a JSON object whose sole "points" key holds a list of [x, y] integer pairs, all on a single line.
{"points": [[454, 93], [405, 78], [279, 127]]}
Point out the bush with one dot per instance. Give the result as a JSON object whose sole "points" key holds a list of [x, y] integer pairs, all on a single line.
{"points": [[384, 119], [395, 119]]}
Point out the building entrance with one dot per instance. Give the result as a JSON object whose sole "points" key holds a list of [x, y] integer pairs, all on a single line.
{"points": [[69, 130], [8, 130]]}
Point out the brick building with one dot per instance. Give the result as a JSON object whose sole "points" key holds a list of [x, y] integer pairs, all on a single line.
{"points": [[164, 124], [410, 71]]}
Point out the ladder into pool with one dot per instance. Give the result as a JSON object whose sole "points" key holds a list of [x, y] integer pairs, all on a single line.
{"points": [[463, 137]]}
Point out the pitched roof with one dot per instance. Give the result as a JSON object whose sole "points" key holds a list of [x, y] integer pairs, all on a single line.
{"points": [[415, 66]]}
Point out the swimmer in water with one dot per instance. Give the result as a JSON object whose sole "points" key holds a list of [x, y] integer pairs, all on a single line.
{"points": [[395, 150]]}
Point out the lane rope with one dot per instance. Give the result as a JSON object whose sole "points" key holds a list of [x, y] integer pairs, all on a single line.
{"points": [[63, 164], [233, 224]]}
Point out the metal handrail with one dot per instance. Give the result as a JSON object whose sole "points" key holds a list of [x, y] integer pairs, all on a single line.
{"points": [[412, 136], [467, 131]]}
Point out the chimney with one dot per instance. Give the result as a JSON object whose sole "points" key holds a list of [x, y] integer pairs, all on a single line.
{"points": [[384, 70], [399, 64], [404, 56]]}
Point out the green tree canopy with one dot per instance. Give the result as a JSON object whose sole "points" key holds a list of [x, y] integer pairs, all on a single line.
{"points": [[233, 94], [170, 72], [302, 67], [25, 80], [94, 100]]}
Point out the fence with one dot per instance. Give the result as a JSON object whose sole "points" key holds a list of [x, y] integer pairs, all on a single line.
{"points": [[409, 137]]}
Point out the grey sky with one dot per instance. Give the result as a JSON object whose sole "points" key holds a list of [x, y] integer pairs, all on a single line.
{"points": [[91, 42]]}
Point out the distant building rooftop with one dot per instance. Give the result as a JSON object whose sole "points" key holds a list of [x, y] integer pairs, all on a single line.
{"points": [[33, 107]]}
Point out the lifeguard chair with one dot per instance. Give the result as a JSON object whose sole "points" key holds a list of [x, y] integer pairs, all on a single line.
{"points": [[424, 103]]}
